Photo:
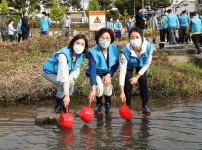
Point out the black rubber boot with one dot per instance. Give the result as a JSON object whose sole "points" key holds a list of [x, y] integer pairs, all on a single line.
{"points": [[108, 104], [145, 108], [154, 41], [59, 105], [99, 104]]}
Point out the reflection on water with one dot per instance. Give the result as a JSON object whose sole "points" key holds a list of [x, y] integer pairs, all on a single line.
{"points": [[172, 125]]}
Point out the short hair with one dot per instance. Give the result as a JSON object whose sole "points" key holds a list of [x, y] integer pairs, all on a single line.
{"points": [[154, 14], [169, 11], [136, 30], [193, 13], [101, 32], [44, 13], [23, 12], [139, 7], [77, 37], [184, 11]]}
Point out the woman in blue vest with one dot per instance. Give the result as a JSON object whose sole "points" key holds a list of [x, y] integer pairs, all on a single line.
{"points": [[184, 24], [103, 63], [137, 54], [110, 24], [63, 67], [19, 30], [117, 29]]}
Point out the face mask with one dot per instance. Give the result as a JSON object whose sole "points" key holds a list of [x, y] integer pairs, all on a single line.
{"points": [[78, 49], [104, 43], [136, 43]]}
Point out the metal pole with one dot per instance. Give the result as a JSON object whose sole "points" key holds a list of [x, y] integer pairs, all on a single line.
{"points": [[142, 6], [134, 9]]}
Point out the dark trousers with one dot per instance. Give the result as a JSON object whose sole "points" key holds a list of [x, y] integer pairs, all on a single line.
{"points": [[25, 35], [172, 37], [196, 40], [11, 37], [183, 34], [163, 34], [3, 38], [142, 81], [19, 37]]}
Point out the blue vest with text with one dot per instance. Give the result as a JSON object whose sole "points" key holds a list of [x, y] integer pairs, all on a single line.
{"points": [[172, 20], [184, 20], [101, 64], [51, 65], [196, 24], [134, 61]]}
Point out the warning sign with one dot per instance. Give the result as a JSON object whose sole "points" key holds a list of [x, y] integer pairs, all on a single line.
{"points": [[97, 20]]}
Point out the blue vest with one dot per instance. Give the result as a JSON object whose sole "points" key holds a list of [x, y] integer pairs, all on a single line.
{"points": [[162, 21], [51, 65], [130, 25], [172, 20], [184, 20], [44, 24], [110, 25], [196, 24], [117, 25], [19, 27], [134, 61], [101, 65]]}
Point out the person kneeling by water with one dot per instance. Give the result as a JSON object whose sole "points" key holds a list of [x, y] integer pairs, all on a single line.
{"points": [[136, 54], [103, 63], [63, 67]]}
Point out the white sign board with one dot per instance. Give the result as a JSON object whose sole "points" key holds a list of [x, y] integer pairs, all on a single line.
{"points": [[97, 20]]}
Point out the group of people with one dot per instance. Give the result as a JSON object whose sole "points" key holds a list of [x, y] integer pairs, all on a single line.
{"points": [[63, 67], [23, 29], [184, 23]]}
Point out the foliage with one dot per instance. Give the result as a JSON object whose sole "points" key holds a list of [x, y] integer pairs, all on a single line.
{"points": [[4, 9], [75, 4], [125, 16], [93, 5], [105, 4], [57, 11], [112, 13]]}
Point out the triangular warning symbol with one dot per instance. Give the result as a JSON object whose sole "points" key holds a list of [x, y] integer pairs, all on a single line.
{"points": [[97, 20]]}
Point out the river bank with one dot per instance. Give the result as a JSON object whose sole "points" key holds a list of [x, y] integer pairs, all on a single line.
{"points": [[21, 80]]}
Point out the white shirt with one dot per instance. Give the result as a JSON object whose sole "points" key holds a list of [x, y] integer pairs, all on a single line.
{"points": [[124, 61], [63, 73]]}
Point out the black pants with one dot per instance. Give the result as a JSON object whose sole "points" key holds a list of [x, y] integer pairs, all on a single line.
{"points": [[142, 81], [163, 34], [11, 37], [196, 40], [3, 38], [19, 37], [183, 34], [25, 35]]}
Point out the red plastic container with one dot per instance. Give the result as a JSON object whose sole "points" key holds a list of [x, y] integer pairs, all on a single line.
{"points": [[86, 114], [66, 120], [125, 112]]}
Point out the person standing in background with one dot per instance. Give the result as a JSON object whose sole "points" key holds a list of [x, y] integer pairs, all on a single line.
{"points": [[25, 26], [117, 29], [153, 26], [130, 25], [44, 24], [173, 24], [66, 24], [3, 31], [110, 24], [140, 19], [19, 30], [196, 30], [11, 31], [163, 29], [184, 24]]}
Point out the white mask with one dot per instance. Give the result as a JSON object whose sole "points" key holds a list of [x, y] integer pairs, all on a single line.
{"points": [[78, 48], [136, 43]]}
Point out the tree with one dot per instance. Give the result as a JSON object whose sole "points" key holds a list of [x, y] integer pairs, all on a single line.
{"points": [[75, 4], [93, 5], [57, 11], [4, 9], [112, 14], [105, 4]]}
